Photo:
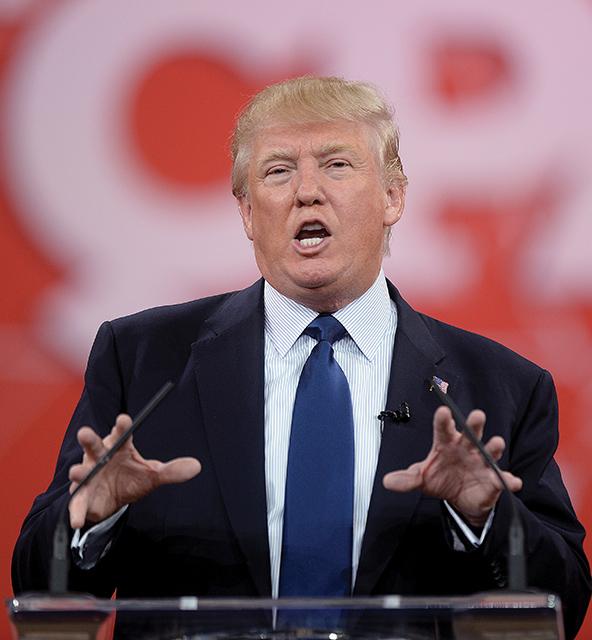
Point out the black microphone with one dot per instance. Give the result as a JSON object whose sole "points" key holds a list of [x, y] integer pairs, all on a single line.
{"points": [[60, 561], [517, 580], [402, 414]]}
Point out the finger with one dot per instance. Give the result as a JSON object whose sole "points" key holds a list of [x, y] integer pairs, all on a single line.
{"points": [[404, 480], [77, 472], [78, 508], [444, 426], [476, 422], [495, 447], [90, 442], [514, 482], [122, 423], [178, 470]]}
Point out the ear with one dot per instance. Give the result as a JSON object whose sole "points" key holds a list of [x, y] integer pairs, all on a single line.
{"points": [[395, 203], [246, 213]]}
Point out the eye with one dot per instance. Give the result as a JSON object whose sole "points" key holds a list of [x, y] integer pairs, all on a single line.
{"points": [[276, 171], [338, 164]]}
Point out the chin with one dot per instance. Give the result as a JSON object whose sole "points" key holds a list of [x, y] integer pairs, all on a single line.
{"points": [[314, 278]]}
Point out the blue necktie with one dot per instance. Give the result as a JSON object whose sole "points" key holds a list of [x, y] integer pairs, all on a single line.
{"points": [[318, 512]]}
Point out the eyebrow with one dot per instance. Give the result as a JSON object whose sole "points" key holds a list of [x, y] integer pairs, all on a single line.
{"points": [[328, 149], [335, 147], [276, 154]]}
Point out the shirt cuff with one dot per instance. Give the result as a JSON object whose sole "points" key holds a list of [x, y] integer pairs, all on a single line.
{"points": [[469, 535], [90, 547]]}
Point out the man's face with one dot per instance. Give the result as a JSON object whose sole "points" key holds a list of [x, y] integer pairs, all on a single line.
{"points": [[316, 210]]}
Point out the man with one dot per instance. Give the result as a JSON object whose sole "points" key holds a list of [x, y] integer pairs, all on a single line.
{"points": [[319, 184]]}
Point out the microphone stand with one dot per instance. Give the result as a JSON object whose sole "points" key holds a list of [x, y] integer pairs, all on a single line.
{"points": [[60, 561], [517, 580]]}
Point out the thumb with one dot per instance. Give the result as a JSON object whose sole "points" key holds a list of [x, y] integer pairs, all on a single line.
{"points": [[78, 508], [404, 480], [514, 482], [178, 470]]}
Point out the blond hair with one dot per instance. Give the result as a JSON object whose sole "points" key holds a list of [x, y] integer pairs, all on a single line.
{"points": [[313, 99]]}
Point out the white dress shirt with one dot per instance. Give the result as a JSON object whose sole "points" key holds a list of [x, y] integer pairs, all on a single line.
{"points": [[365, 356]]}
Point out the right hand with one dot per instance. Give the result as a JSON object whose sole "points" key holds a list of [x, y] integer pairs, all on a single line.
{"points": [[125, 479], [454, 470]]}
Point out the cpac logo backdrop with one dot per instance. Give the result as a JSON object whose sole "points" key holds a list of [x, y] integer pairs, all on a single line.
{"points": [[115, 196]]}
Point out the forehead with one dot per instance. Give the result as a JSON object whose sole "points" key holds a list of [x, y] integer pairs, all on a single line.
{"points": [[316, 138]]}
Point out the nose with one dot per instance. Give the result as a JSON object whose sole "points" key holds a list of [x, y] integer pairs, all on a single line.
{"points": [[309, 190]]}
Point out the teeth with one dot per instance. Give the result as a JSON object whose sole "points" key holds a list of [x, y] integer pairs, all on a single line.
{"points": [[310, 242], [313, 227]]}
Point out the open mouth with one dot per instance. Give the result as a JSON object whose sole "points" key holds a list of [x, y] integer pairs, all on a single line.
{"points": [[311, 235]]}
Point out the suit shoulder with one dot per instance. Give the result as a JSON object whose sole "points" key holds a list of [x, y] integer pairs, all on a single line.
{"points": [[185, 316], [162, 336], [465, 346]]}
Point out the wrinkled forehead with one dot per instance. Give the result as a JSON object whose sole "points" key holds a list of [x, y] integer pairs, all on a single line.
{"points": [[319, 137]]}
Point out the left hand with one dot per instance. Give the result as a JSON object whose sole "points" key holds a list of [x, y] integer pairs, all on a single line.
{"points": [[127, 478], [455, 471]]}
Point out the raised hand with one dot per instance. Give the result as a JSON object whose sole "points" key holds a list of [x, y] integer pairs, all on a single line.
{"points": [[455, 471], [124, 480]]}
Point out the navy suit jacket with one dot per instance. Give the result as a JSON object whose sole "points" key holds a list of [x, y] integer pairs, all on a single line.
{"points": [[209, 536]]}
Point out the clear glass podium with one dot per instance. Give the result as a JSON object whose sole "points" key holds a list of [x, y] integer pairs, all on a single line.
{"points": [[488, 616]]}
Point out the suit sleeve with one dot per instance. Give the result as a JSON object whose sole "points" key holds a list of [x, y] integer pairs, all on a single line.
{"points": [[553, 536], [101, 401]]}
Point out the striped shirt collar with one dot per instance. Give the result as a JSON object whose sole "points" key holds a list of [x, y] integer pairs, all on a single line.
{"points": [[365, 319]]}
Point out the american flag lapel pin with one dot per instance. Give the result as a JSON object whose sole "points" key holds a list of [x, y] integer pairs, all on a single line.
{"points": [[441, 384]]}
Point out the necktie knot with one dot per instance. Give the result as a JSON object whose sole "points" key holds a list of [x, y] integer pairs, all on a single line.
{"points": [[326, 328]]}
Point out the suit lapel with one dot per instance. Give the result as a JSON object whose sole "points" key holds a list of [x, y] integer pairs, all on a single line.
{"points": [[415, 359], [229, 367]]}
